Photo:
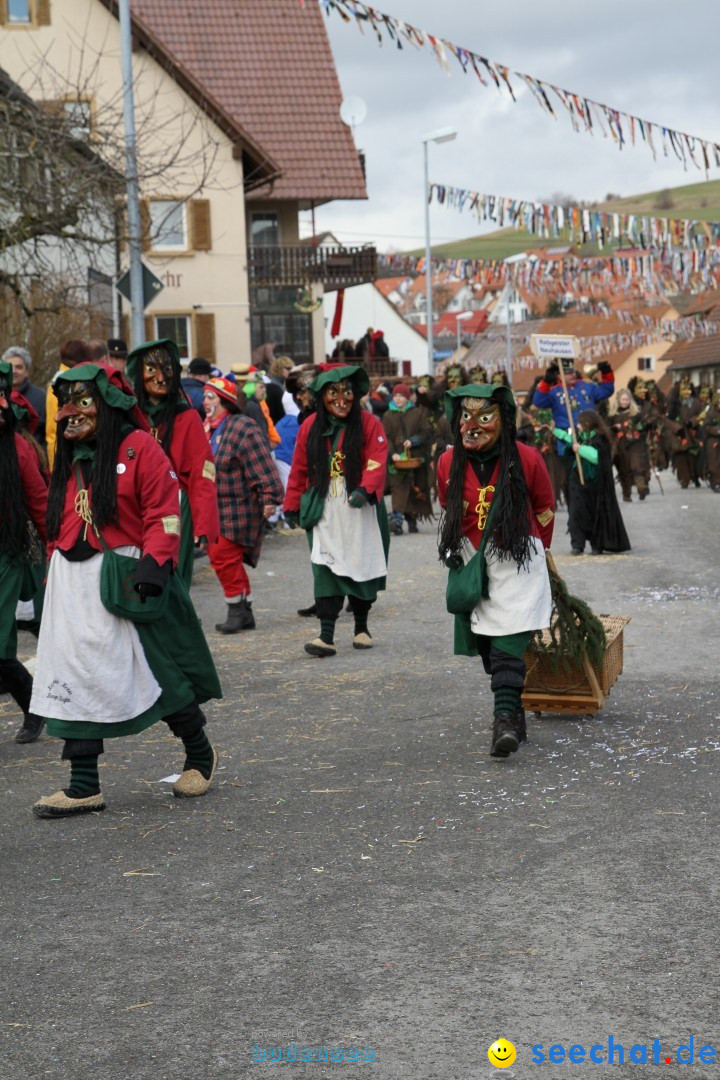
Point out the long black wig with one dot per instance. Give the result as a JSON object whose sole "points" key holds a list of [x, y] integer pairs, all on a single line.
{"points": [[112, 427], [510, 536], [318, 458], [14, 531]]}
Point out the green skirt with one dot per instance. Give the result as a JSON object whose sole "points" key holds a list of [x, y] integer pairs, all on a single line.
{"points": [[326, 583], [11, 581], [179, 658], [186, 558]]}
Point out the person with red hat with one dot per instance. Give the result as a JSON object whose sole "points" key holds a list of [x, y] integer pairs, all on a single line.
{"points": [[409, 435], [248, 490]]}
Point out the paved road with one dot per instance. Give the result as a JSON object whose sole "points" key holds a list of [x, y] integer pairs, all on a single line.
{"points": [[364, 874]]}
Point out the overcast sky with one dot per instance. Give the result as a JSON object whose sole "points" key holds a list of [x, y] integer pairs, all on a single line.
{"points": [[657, 59]]}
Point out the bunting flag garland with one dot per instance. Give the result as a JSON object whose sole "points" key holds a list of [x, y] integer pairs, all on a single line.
{"points": [[578, 223], [613, 274], [585, 114]]}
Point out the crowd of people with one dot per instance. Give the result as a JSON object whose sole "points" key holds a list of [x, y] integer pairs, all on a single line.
{"points": [[128, 466]]}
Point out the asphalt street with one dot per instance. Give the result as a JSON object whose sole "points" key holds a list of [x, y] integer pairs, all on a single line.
{"points": [[364, 876]]}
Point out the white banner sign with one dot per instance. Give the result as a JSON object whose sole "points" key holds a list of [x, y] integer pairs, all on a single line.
{"points": [[555, 346]]}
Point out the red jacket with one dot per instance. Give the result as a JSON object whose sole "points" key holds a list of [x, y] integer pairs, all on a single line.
{"points": [[34, 487], [374, 460], [147, 503], [194, 464], [537, 478]]}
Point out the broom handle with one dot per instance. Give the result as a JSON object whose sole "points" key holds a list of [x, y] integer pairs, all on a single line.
{"points": [[570, 421], [551, 563]]}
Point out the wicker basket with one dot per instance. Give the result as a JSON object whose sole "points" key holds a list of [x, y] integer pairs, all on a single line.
{"points": [[581, 689], [407, 463]]}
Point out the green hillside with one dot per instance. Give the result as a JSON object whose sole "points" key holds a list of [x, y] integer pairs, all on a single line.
{"points": [[700, 202]]}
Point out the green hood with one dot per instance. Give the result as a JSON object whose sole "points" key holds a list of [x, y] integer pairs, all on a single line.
{"points": [[135, 357], [453, 398], [110, 384], [355, 373]]}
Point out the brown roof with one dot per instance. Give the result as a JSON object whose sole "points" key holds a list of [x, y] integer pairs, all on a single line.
{"points": [[698, 352], [703, 303], [268, 68]]}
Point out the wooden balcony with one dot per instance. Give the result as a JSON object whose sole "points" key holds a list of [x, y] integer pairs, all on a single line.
{"points": [[335, 267]]}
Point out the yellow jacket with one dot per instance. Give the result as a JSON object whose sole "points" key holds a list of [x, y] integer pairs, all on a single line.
{"points": [[51, 408]]}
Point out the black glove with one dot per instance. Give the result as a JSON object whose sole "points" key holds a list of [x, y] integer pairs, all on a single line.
{"points": [[150, 577], [552, 375], [292, 517], [358, 499], [605, 367]]}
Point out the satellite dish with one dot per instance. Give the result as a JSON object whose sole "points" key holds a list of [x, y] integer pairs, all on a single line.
{"points": [[353, 111]]}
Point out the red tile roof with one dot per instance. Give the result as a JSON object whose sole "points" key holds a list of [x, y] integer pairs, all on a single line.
{"points": [[267, 66], [698, 352]]}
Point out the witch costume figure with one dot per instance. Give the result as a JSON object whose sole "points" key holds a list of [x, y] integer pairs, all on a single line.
{"points": [[154, 372], [23, 501], [120, 645], [497, 522], [335, 492]]}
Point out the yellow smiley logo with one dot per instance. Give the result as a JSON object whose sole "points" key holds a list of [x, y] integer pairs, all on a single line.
{"points": [[501, 1054]]}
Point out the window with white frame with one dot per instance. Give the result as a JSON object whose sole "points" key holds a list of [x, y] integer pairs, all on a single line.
{"points": [[168, 221], [176, 327], [78, 115], [19, 12]]}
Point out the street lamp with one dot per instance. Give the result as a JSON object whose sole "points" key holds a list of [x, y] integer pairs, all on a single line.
{"points": [[440, 136], [458, 319]]}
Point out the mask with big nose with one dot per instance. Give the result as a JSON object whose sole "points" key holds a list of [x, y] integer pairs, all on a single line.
{"points": [[338, 398], [158, 373], [480, 423], [78, 406]]}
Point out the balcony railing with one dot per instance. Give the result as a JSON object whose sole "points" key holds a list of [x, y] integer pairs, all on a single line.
{"points": [[335, 267]]}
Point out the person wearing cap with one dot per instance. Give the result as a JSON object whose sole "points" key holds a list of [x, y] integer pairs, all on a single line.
{"points": [[409, 436], [335, 492], [497, 521], [117, 352], [98, 674], [249, 490], [23, 500], [199, 371], [154, 372]]}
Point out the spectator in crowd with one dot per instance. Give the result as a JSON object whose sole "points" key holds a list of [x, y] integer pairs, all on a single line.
{"points": [[199, 372], [280, 367], [255, 395], [21, 362], [117, 354], [72, 353]]}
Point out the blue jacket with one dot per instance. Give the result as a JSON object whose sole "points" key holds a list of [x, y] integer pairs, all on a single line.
{"points": [[583, 395], [287, 429]]}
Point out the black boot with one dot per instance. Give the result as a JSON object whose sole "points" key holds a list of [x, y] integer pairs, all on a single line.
{"points": [[239, 617], [30, 731], [308, 612], [521, 724], [505, 735], [411, 523], [396, 523]]}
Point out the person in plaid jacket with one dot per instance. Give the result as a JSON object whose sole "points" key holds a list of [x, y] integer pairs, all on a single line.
{"points": [[248, 491]]}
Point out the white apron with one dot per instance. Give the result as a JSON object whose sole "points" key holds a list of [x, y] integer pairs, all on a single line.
{"points": [[519, 600], [347, 540], [90, 664]]}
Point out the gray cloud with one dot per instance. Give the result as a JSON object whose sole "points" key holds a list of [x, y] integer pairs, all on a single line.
{"points": [[654, 58]]}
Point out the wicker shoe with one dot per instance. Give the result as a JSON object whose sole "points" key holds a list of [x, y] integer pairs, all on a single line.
{"points": [[362, 641], [318, 647], [192, 783], [505, 735], [61, 805]]}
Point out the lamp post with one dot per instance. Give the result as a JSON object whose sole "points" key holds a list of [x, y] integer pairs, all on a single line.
{"points": [[458, 319], [440, 136]]}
